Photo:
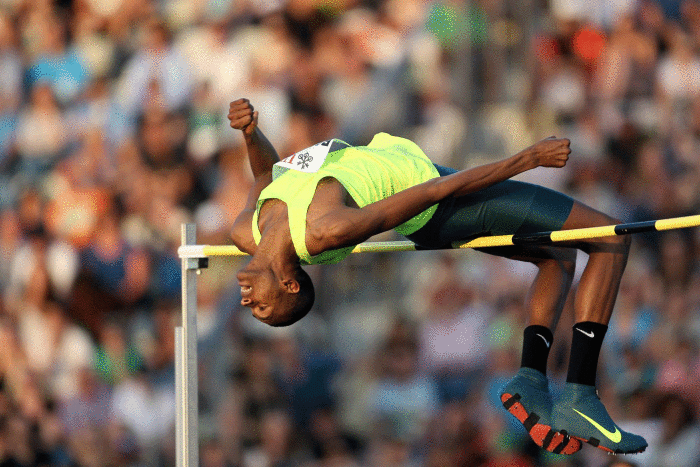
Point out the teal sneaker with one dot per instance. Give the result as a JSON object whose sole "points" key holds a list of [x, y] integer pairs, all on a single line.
{"points": [[582, 415], [527, 398]]}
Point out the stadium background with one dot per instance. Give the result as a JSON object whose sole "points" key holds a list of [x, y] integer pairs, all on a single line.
{"points": [[113, 132]]}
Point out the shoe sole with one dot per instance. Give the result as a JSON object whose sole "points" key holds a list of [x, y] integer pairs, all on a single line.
{"points": [[596, 443], [543, 435]]}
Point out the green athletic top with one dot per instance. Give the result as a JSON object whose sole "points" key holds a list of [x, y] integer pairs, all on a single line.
{"points": [[369, 173]]}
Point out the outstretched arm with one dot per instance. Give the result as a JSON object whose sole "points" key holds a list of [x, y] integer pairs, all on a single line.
{"points": [[350, 226], [262, 157]]}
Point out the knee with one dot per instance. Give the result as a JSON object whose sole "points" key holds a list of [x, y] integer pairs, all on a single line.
{"points": [[625, 241], [562, 260], [583, 216], [567, 261], [616, 244]]}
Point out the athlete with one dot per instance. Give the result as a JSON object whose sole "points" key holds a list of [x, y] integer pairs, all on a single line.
{"points": [[314, 206]]}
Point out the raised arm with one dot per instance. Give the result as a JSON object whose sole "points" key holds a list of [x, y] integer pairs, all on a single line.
{"points": [[262, 157], [350, 226], [261, 153]]}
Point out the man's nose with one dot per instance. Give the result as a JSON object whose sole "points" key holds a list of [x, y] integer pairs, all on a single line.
{"points": [[246, 301]]}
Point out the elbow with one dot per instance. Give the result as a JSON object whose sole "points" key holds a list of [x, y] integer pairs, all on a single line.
{"points": [[330, 235], [240, 240], [235, 237], [237, 241], [434, 190], [235, 233]]}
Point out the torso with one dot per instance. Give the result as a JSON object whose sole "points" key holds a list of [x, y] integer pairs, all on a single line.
{"points": [[330, 194]]}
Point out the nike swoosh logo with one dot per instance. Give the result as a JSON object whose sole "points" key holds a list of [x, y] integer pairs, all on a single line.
{"points": [[589, 334], [546, 342], [615, 436]]}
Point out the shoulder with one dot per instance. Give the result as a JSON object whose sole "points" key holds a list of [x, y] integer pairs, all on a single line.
{"points": [[242, 232]]}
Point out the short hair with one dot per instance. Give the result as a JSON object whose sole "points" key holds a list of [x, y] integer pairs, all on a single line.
{"points": [[299, 304]]}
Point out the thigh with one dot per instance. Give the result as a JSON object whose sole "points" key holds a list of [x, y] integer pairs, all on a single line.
{"points": [[505, 208], [583, 216], [534, 254], [525, 208]]}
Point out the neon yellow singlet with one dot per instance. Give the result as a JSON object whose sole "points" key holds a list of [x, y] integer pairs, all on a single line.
{"points": [[387, 165]]}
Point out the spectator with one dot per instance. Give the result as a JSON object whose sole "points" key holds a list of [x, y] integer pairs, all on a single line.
{"points": [[680, 434], [146, 410], [156, 68], [403, 398], [453, 344], [305, 377], [41, 134], [275, 445], [115, 359], [88, 409], [55, 62], [114, 274], [112, 134], [10, 94]]}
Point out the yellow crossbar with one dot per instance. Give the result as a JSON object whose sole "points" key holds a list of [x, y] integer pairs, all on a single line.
{"points": [[201, 251]]}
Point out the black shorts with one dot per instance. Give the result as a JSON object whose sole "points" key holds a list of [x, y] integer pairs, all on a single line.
{"points": [[505, 208]]}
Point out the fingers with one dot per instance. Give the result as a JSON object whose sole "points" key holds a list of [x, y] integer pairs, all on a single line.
{"points": [[554, 152], [559, 145], [241, 122], [561, 161], [241, 106], [561, 153], [241, 113], [566, 150], [562, 156], [566, 142], [240, 103], [557, 142], [248, 130], [240, 119]]}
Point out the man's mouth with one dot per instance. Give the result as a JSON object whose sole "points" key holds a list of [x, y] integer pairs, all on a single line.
{"points": [[246, 289]]}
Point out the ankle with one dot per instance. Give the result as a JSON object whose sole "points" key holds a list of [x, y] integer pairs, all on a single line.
{"points": [[585, 350], [537, 341]]}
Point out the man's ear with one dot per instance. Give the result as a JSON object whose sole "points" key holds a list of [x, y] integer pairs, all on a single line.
{"points": [[291, 285]]}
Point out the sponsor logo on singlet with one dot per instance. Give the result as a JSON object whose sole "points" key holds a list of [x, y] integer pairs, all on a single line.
{"points": [[308, 160]]}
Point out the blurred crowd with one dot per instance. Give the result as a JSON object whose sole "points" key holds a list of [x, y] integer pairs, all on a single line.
{"points": [[113, 133]]}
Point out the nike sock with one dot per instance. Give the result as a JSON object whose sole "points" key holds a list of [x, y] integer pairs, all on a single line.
{"points": [[585, 350], [537, 341]]}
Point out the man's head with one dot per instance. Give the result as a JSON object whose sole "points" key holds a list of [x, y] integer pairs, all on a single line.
{"points": [[275, 299]]}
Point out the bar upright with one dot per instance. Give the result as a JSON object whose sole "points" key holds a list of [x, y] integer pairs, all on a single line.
{"points": [[187, 442]]}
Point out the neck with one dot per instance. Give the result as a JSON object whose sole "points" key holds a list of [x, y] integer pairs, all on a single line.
{"points": [[276, 248]]}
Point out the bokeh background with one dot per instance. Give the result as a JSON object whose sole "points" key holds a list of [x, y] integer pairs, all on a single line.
{"points": [[113, 133]]}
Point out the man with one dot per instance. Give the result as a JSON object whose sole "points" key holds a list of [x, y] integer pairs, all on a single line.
{"points": [[314, 206]]}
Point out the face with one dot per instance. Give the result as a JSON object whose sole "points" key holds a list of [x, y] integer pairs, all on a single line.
{"points": [[260, 291]]}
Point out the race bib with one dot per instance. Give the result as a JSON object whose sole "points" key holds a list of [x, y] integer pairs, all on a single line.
{"points": [[308, 160]]}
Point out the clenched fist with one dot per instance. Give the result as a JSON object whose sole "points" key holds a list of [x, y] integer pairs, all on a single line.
{"points": [[550, 152], [242, 116]]}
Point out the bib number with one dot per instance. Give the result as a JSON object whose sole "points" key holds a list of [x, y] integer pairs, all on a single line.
{"points": [[308, 160]]}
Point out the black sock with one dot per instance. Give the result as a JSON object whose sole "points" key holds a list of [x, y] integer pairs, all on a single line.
{"points": [[537, 341], [585, 349]]}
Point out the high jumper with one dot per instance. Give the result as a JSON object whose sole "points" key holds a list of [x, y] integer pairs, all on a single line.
{"points": [[314, 206]]}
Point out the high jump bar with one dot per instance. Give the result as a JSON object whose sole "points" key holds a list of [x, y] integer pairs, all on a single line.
{"points": [[541, 238]]}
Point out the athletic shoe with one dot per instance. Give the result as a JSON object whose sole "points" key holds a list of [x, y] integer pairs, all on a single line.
{"points": [[582, 415], [527, 398]]}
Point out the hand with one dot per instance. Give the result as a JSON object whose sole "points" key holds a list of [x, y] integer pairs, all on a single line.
{"points": [[550, 152], [242, 116]]}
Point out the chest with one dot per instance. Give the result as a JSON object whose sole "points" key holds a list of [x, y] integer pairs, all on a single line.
{"points": [[328, 196]]}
